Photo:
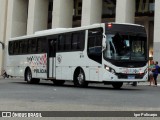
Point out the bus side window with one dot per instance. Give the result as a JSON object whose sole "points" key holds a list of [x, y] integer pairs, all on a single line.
{"points": [[29, 46], [25, 47], [81, 40], [32, 46], [75, 37], [21, 45], [11, 47], [68, 42], [16, 47], [61, 42], [41, 45]]}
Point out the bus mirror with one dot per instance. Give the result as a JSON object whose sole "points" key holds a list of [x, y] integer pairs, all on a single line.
{"points": [[104, 36], [104, 42], [104, 47]]}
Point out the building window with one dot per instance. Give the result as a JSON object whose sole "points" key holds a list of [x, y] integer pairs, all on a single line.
{"points": [[145, 7], [108, 8]]}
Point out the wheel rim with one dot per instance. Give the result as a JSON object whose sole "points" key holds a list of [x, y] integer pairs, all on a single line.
{"points": [[29, 76], [80, 78]]}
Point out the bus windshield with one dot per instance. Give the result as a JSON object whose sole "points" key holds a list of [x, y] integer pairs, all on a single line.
{"points": [[126, 47]]}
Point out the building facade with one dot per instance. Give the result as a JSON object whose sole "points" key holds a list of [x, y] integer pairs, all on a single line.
{"points": [[24, 17]]}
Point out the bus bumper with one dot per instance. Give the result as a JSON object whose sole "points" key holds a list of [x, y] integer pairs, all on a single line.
{"points": [[125, 78]]}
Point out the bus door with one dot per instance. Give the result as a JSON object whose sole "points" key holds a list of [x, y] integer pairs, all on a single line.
{"points": [[51, 58]]}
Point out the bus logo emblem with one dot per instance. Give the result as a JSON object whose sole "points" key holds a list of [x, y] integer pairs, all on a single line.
{"points": [[59, 58]]}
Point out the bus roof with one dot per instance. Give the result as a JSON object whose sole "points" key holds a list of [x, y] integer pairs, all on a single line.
{"points": [[55, 31], [62, 30]]}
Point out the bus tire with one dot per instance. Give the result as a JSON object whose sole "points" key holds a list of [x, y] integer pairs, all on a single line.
{"points": [[58, 82], [28, 76], [117, 85], [79, 78]]}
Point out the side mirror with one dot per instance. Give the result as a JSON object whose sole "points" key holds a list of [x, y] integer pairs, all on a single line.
{"points": [[104, 42]]}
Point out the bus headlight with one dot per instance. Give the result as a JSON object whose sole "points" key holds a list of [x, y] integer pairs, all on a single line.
{"points": [[107, 68], [110, 69]]}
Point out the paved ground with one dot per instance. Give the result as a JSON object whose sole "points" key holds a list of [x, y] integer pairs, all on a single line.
{"points": [[16, 95], [147, 84]]}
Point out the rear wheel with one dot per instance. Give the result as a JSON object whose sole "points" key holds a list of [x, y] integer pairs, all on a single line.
{"points": [[28, 76], [117, 85], [79, 79], [29, 79]]}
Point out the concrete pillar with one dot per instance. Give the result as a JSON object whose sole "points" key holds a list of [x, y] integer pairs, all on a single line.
{"points": [[62, 13], [156, 55], [125, 11], [3, 17], [37, 15], [17, 18], [91, 12]]}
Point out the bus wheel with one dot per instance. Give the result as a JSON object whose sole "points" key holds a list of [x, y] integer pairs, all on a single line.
{"points": [[117, 85], [79, 79], [28, 76], [58, 82]]}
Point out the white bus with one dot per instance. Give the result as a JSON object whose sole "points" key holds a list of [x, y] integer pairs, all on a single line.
{"points": [[111, 53]]}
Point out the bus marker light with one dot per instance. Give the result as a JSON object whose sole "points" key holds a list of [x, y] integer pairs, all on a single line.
{"points": [[109, 25]]}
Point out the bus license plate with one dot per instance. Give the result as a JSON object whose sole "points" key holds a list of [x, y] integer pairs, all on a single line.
{"points": [[131, 77]]}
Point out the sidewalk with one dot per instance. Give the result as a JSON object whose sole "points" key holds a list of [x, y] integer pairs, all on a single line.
{"points": [[147, 83], [143, 83]]}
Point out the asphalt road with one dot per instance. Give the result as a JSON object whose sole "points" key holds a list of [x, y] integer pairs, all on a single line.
{"points": [[17, 95]]}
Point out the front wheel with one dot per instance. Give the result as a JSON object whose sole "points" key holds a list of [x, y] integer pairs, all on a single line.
{"points": [[79, 79], [117, 85]]}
